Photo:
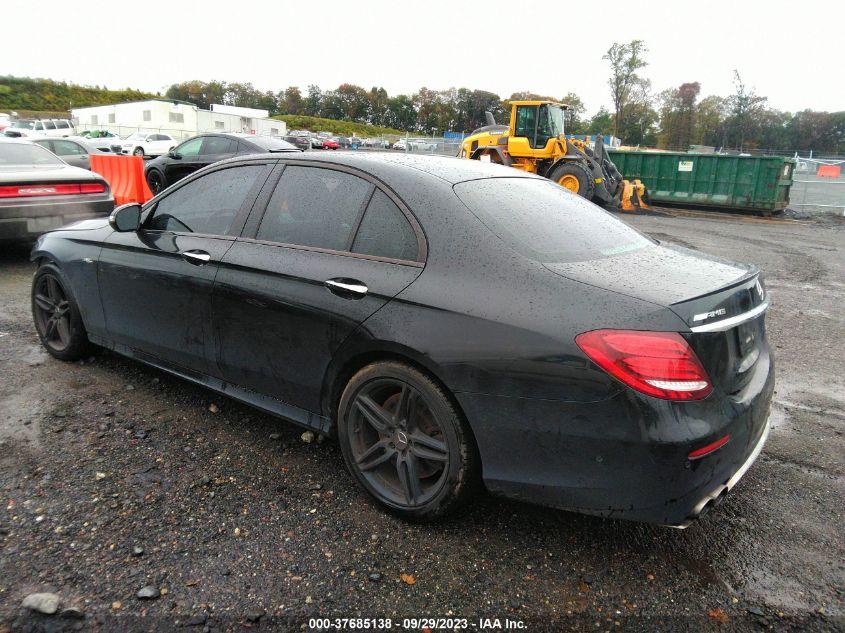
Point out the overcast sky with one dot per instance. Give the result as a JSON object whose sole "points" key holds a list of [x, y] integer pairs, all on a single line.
{"points": [[791, 52]]}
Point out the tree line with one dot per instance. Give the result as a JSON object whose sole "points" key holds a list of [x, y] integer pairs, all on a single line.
{"points": [[674, 118]]}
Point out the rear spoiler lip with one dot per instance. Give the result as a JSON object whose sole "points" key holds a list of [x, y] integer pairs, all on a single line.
{"points": [[727, 324]]}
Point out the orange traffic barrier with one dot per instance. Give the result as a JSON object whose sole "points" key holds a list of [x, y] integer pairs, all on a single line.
{"points": [[829, 171], [125, 175]]}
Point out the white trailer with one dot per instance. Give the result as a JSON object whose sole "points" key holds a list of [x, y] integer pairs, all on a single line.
{"points": [[179, 119]]}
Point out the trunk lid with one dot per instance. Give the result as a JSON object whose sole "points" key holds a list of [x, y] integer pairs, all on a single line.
{"points": [[723, 303]]}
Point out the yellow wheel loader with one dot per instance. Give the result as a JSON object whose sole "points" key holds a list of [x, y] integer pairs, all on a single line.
{"points": [[535, 142]]}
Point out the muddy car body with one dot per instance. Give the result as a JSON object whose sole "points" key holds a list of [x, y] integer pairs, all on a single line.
{"points": [[500, 329]]}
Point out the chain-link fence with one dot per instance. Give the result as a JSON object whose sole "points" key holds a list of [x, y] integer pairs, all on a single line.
{"points": [[125, 130], [410, 144]]}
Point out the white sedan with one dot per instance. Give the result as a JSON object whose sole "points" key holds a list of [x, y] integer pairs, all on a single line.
{"points": [[143, 144]]}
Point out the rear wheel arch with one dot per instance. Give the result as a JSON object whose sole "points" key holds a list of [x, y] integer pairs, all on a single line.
{"points": [[341, 371], [463, 468]]}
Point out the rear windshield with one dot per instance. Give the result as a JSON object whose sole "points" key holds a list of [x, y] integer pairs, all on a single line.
{"points": [[271, 144], [547, 223], [26, 154]]}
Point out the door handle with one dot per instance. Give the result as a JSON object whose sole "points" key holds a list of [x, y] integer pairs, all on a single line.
{"points": [[197, 258], [347, 288]]}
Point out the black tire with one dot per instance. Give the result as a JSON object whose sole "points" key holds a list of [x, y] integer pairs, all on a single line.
{"points": [[156, 181], [138, 151], [424, 436], [56, 316], [574, 172]]}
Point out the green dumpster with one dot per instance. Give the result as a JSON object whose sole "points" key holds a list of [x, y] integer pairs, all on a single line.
{"points": [[757, 183]]}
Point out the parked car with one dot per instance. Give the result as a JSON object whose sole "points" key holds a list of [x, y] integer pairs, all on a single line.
{"points": [[144, 144], [40, 192], [74, 151], [329, 143], [343, 141], [109, 143], [100, 134], [34, 128], [583, 364], [300, 142], [401, 144], [316, 142], [422, 146], [202, 150]]}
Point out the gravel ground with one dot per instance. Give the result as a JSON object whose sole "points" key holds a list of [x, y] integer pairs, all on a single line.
{"points": [[115, 477]]}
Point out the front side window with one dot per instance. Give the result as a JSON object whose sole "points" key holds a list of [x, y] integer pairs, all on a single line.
{"points": [[206, 205], [543, 221], [49, 125], [385, 231], [549, 124], [191, 147], [62, 125], [314, 207]]}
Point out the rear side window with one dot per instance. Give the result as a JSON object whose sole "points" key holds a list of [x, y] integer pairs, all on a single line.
{"points": [[314, 207], [547, 223], [218, 145], [385, 231], [206, 205], [62, 125], [68, 148]]}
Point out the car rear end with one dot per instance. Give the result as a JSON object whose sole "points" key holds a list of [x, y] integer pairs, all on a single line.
{"points": [[667, 347], [45, 194]]}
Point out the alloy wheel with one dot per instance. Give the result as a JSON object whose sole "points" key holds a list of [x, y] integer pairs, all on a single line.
{"points": [[397, 444], [155, 181], [52, 313]]}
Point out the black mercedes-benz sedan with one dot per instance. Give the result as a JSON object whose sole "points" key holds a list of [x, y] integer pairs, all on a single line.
{"points": [[451, 322]]}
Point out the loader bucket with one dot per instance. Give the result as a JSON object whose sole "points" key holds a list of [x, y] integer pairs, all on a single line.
{"points": [[634, 196]]}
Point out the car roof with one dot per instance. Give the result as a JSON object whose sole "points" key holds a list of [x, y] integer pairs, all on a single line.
{"points": [[15, 139], [383, 164]]}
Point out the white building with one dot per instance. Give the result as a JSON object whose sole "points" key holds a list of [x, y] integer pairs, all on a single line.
{"points": [[179, 119]]}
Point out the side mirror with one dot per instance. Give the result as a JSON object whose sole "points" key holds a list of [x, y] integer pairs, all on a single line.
{"points": [[174, 154], [126, 218]]}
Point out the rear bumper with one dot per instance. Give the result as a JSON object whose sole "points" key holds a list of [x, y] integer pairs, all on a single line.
{"points": [[624, 457], [26, 220]]}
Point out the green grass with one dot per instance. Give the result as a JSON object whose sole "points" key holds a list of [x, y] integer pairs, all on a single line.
{"points": [[341, 128]]}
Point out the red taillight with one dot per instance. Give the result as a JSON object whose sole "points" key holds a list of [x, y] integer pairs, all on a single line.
{"points": [[659, 364], [65, 189], [706, 450], [92, 187]]}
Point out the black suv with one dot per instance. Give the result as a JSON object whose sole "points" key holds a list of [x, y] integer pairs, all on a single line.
{"points": [[204, 149]]}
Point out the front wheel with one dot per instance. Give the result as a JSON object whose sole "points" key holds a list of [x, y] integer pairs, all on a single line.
{"points": [[139, 151], [405, 442], [575, 177], [57, 317]]}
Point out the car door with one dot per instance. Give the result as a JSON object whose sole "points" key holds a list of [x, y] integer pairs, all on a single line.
{"points": [[71, 152], [162, 144], [291, 290], [155, 284], [186, 159]]}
